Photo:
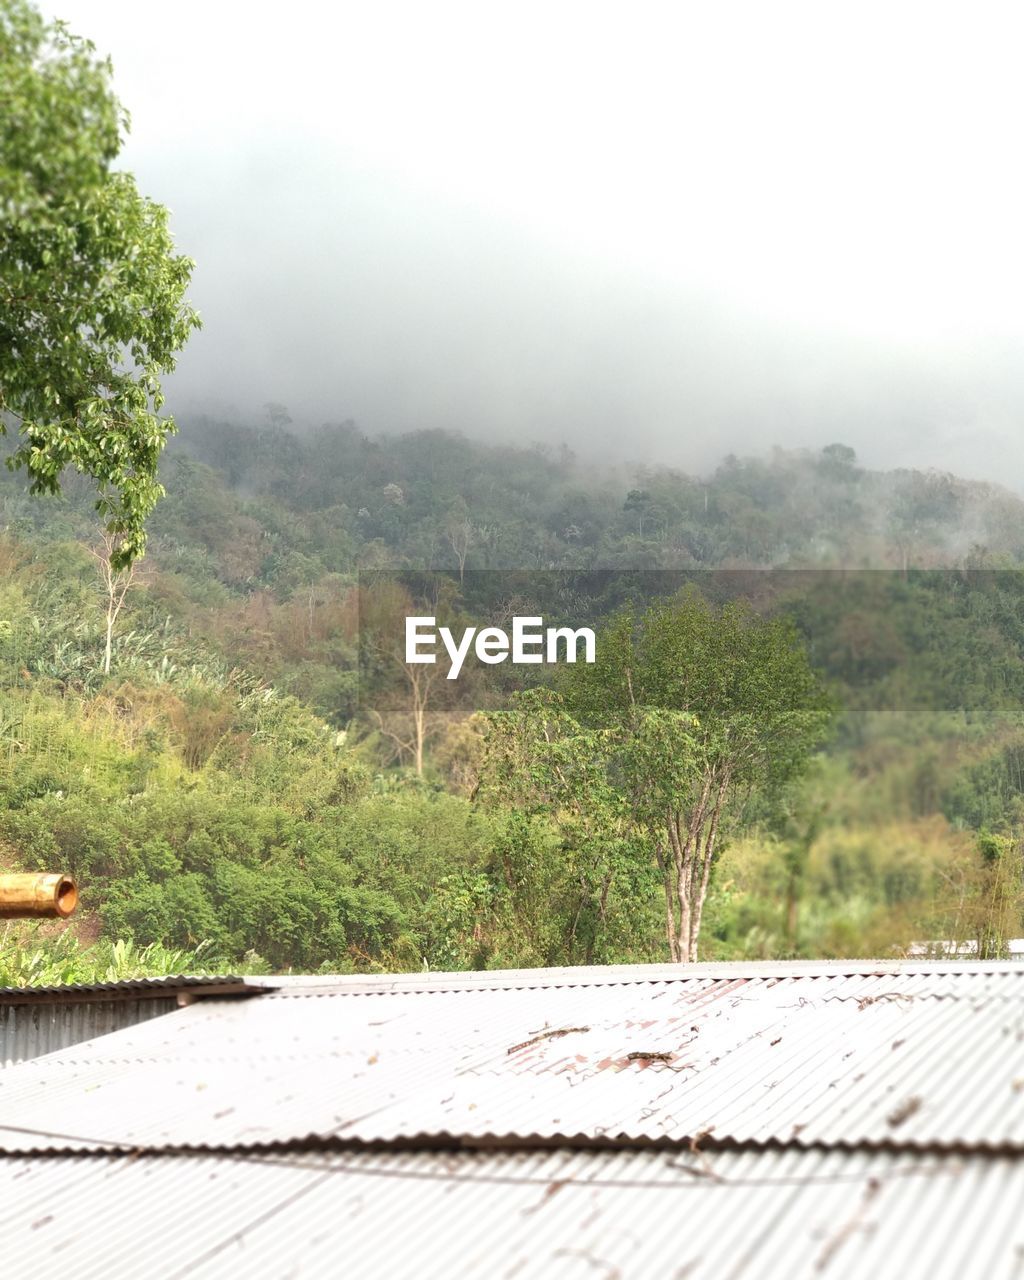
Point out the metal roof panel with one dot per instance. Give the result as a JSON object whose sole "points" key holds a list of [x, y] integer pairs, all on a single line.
{"points": [[525, 1214], [923, 1057]]}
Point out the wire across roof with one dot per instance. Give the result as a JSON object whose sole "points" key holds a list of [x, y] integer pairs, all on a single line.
{"points": [[575, 1215]]}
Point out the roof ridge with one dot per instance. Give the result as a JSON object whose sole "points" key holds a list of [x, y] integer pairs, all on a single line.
{"points": [[442, 1140], [624, 975]]}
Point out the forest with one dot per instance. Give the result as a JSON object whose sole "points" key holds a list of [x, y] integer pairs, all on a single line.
{"points": [[238, 781]]}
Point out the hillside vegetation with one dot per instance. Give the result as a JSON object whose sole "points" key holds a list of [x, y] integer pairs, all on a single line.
{"points": [[222, 787]]}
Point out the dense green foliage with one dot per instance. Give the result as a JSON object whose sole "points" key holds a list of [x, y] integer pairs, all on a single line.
{"points": [[262, 529], [196, 744], [223, 786], [92, 308], [639, 759], [29, 957]]}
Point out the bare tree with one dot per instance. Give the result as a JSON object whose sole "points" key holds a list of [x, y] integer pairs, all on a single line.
{"points": [[115, 584], [408, 727], [460, 536], [408, 698]]}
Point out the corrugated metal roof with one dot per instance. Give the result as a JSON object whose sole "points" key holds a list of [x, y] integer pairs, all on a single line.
{"points": [[503, 979], [923, 1056], [126, 988], [39, 1020], [791, 1079], [625, 975], [31, 1030], [575, 1215]]}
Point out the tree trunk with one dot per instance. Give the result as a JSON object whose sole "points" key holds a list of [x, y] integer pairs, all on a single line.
{"points": [[709, 853], [419, 723], [687, 869], [109, 645], [792, 911]]}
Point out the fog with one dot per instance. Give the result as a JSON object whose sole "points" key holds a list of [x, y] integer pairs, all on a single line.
{"points": [[654, 232]]}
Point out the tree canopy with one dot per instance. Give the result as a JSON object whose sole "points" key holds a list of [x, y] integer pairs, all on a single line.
{"points": [[92, 293], [196, 804], [641, 756]]}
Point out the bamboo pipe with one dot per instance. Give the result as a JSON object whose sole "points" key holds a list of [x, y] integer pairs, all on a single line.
{"points": [[37, 894]]}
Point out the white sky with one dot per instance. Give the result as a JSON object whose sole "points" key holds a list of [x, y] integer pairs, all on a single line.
{"points": [[738, 215]]}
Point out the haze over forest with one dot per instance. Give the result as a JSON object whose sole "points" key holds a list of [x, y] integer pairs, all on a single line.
{"points": [[713, 229], [766, 298]]}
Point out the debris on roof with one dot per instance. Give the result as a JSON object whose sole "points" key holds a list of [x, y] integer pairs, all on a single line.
{"points": [[762, 1060], [580, 1215], [534, 1123]]}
